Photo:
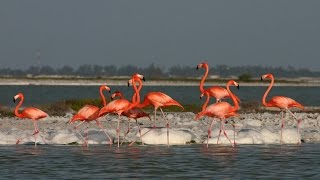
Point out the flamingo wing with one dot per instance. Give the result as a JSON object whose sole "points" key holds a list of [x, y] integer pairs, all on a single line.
{"points": [[219, 110], [117, 106], [89, 112], [219, 93], [284, 102], [159, 99], [135, 113], [33, 113]]}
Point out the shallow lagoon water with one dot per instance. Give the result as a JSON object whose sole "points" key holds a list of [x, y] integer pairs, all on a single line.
{"points": [[188, 161], [308, 96]]}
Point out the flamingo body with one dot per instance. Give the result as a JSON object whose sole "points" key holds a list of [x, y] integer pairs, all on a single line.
{"points": [[30, 113], [215, 91], [281, 102], [117, 106], [90, 113], [218, 110], [221, 110], [158, 99], [33, 113], [86, 113]]}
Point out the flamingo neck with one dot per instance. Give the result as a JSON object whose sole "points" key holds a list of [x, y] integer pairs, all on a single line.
{"points": [[102, 97], [204, 77], [16, 110], [233, 97], [266, 93], [136, 103], [134, 97], [204, 106]]}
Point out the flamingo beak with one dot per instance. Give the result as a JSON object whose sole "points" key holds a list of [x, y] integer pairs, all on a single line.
{"points": [[14, 100], [128, 84], [261, 78], [197, 67], [144, 79], [238, 86], [111, 98], [200, 97]]}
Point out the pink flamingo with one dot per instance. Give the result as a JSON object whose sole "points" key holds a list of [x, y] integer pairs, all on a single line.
{"points": [[90, 113], [281, 102], [221, 110], [119, 106], [215, 91], [159, 100], [134, 113], [32, 113]]}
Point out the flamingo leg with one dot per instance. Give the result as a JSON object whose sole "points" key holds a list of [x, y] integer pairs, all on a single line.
{"points": [[36, 131], [104, 130], [118, 130], [40, 134], [77, 131], [219, 131], [87, 137], [282, 125], [155, 117], [209, 132], [125, 134], [139, 131], [166, 125], [225, 134], [141, 136], [298, 124]]}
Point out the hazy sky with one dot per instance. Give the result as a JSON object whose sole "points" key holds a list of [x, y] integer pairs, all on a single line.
{"points": [[166, 32]]}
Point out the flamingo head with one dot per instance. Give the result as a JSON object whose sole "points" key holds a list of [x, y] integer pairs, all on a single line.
{"points": [[138, 76], [233, 82], [202, 65], [19, 95], [130, 82], [201, 95], [116, 93], [266, 76], [106, 88]]}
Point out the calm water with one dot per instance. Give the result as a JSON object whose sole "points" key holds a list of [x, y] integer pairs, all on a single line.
{"points": [[190, 161], [308, 96]]}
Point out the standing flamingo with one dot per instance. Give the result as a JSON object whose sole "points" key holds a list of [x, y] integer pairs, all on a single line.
{"points": [[221, 110], [119, 106], [215, 91], [134, 113], [281, 102], [159, 100], [32, 113], [90, 113]]}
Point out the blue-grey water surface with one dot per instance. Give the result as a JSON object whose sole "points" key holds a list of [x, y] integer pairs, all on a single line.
{"points": [[188, 161], [308, 96]]}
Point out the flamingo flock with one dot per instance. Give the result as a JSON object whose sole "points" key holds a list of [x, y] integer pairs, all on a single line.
{"points": [[220, 110]]}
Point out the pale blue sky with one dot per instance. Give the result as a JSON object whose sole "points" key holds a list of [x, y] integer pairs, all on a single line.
{"points": [[166, 32]]}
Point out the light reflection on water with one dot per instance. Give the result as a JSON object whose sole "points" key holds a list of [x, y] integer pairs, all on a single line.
{"points": [[189, 161]]}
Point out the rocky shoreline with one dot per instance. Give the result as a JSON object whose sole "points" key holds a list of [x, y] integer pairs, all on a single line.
{"points": [[251, 128]]}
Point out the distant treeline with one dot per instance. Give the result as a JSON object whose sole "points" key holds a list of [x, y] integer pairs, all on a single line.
{"points": [[155, 71]]}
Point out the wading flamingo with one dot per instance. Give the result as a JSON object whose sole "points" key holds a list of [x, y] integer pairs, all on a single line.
{"points": [[134, 113], [159, 100], [215, 91], [90, 113], [221, 110], [119, 106], [281, 102], [32, 113]]}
